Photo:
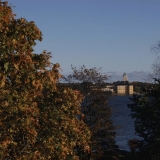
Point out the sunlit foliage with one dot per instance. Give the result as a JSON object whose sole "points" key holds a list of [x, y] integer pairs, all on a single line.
{"points": [[38, 120]]}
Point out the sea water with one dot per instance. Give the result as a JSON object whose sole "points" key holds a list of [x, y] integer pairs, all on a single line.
{"points": [[122, 121]]}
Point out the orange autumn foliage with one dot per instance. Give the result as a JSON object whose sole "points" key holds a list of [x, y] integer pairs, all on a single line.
{"points": [[38, 120]]}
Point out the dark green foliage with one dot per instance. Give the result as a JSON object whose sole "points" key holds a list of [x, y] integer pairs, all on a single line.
{"points": [[139, 87], [146, 112]]}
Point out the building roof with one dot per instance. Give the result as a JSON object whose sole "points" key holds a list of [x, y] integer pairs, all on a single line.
{"points": [[124, 74]]}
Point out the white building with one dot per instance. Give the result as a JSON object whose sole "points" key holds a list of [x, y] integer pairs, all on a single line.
{"points": [[125, 78]]}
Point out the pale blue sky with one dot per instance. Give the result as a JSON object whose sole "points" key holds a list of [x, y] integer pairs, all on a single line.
{"points": [[116, 35]]}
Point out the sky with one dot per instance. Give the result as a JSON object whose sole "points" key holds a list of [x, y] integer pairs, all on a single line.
{"points": [[116, 35]]}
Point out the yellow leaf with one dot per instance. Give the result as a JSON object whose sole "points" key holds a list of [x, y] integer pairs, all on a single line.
{"points": [[16, 66]]}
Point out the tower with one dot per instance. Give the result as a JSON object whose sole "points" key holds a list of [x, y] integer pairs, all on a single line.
{"points": [[125, 78]]}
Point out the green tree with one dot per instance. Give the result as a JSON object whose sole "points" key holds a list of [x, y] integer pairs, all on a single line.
{"points": [[95, 111], [38, 119], [146, 112]]}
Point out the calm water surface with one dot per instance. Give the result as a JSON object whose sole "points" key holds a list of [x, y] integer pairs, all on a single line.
{"points": [[121, 118]]}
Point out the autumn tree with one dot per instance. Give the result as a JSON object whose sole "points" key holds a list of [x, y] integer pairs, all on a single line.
{"points": [[38, 120], [95, 110]]}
